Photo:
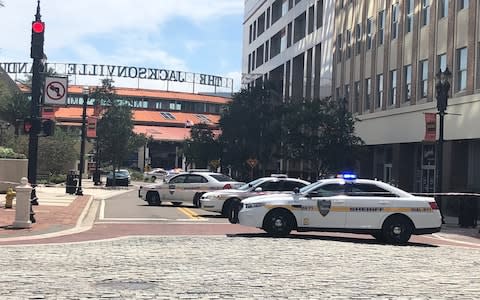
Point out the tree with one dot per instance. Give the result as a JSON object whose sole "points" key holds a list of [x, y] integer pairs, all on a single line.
{"points": [[202, 147], [14, 108], [251, 128], [56, 152], [115, 136], [321, 132]]}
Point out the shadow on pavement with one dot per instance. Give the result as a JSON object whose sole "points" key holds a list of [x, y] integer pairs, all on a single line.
{"points": [[328, 238]]}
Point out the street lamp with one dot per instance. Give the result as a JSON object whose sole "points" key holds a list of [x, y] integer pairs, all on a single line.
{"points": [[85, 92], [442, 88]]}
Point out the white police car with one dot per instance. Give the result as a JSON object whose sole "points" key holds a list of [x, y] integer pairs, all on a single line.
{"points": [[344, 204]]}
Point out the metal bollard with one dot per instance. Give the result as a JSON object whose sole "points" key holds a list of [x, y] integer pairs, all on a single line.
{"points": [[22, 209]]}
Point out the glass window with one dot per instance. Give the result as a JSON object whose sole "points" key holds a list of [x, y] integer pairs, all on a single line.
{"points": [[328, 190], [221, 177], [319, 13], [442, 62], [178, 179], [394, 21], [167, 116], [356, 96], [339, 47], [393, 88], [365, 190], [311, 19], [462, 4], [461, 69], [368, 92], [288, 185], [358, 39], [193, 178], [423, 76], [261, 24], [443, 8], [408, 82], [381, 25], [409, 17], [299, 27], [425, 12], [271, 186], [348, 42], [379, 100], [369, 33]]}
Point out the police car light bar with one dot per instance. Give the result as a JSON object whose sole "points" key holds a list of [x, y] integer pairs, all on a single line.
{"points": [[348, 176]]}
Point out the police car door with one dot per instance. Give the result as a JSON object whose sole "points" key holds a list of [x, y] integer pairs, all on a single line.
{"points": [[368, 204], [325, 207], [193, 184], [173, 188]]}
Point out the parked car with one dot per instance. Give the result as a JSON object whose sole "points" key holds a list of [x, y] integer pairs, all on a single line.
{"points": [[186, 187], [224, 200], [154, 174], [122, 178], [344, 204]]}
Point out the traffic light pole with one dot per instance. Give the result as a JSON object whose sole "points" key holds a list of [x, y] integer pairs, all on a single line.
{"points": [[35, 112]]}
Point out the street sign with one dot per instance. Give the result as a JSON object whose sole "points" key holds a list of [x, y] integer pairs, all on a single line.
{"points": [[55, 90], [252, 162]]}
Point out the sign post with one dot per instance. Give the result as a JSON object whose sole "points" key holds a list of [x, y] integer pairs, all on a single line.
{"points": [[252, 162]]}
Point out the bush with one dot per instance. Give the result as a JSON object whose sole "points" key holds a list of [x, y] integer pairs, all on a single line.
{"points": [[57, 178], [136, 175], [9, 153]]}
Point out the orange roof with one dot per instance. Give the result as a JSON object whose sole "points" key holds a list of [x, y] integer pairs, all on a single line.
{"points": [[143, 116], [159, 133]]}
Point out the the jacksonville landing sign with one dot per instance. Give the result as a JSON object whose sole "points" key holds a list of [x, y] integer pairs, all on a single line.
{"points": [[122, 71]]}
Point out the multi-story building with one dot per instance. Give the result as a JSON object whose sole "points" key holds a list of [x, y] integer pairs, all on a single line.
{"points": [[387, 53], [289, 43]]}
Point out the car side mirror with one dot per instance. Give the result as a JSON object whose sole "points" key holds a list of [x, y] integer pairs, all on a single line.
{"points": [[258, 189]]}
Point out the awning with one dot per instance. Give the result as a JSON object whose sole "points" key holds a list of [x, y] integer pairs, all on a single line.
{"points": [[172, 134]]}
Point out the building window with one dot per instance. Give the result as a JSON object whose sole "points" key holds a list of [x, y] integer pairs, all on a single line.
{"points": [[249, 63], [167, 116], [260, 55], [369, 33], [250, 33], [268, 17], [276, 10], [311, 19], [409, 18], [358, 39], [441, 62], [393, 88], [299, 27], [261, 24], [337, 93], [319, 13], [408, 82], [379, 100], [356, 100], [339, 47], [461, 69], [381, 25], [442, 9], [423, 84], [462, 4], [349, 44], [285, 7], [267, 48], [394, 21], [425, 12], [368, 93]]}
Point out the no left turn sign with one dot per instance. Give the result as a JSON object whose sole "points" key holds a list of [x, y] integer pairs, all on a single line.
{"points": [[55, 90]]}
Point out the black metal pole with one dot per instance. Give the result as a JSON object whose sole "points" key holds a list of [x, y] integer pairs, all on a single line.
{"points": [[97, 180], [82, 146], [439, 188]]}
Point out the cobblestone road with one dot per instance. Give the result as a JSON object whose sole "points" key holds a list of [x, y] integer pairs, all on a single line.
{"points": [[237, 267]]}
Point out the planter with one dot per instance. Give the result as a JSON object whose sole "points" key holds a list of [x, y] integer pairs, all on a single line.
{"points": [[11, 170]]}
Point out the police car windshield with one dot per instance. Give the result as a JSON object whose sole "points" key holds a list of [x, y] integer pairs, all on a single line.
{"points": [[310, 187], [249, 185]]}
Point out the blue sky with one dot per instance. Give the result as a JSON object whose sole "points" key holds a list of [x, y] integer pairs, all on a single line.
{"points": [[201, 36]]}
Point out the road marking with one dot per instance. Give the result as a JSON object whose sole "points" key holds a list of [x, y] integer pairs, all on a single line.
{"points": [[101, 214], [190, 213]]}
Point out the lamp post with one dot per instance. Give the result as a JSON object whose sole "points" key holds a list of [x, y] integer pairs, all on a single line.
{"points": [[85, 92], [442, 88]]}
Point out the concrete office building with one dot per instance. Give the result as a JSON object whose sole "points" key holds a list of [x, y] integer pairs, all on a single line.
{"points": [[289, 42], [387, 53]]}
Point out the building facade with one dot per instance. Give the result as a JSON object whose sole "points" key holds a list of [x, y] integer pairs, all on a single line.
{"points": [[386, 56], [289, 43]]}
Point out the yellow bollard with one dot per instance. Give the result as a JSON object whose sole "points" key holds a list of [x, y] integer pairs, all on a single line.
{"points": [[9, 198]]}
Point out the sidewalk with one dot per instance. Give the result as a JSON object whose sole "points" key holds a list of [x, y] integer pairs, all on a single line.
{"points": [[57, 211]]}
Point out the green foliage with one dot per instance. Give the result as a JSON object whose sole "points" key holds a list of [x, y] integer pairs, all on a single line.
{"points": [[57, 178], [201, 147], [136, 175], [19, 143], [57, 154], [9, 153], [14, 108]]}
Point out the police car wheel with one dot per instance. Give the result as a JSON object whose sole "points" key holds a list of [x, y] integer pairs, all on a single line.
{"points": [[397, 230], [278, 223], [196, 200], [153, 199], [232, 211]]}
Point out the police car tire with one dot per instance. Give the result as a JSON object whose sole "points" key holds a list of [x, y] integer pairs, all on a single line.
{"points": [[196, 199], [278, 223], [397, 222], [232, 211], [153, 199]]}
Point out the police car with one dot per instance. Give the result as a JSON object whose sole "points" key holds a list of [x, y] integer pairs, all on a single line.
{"points": [[224, 200], [186, 187], [345, 204]]}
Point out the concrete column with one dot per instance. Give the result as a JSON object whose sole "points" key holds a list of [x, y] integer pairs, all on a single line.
{"points": [[22, 208]]}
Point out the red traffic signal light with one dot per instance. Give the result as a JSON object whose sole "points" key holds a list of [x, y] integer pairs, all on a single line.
{"points": [[38, 27], [31, 125]]}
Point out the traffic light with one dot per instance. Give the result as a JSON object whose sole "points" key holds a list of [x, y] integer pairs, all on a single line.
{"points": [[48, 127], [31, 125], [38, 30]]}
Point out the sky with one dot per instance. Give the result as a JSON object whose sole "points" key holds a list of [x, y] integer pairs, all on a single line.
{"points": [[199, 36]]}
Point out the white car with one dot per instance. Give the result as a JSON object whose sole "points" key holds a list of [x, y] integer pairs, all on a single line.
{"points": [[344, 205], [154, 174], [224, 200], [186, 187]]}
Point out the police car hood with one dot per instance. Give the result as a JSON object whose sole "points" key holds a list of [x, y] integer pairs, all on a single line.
{"points": [[283, 197]]}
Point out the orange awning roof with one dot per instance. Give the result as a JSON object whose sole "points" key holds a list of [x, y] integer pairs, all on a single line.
{"points": [[158, 133]]}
